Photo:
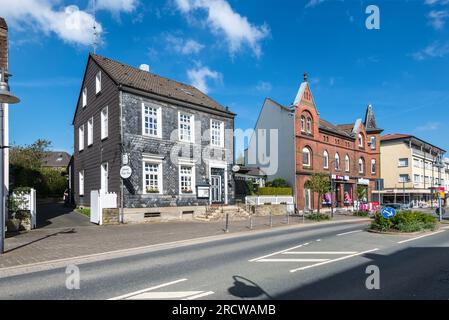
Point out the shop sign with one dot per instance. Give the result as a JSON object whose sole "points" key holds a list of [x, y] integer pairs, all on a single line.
{"points": [[362, 181]]}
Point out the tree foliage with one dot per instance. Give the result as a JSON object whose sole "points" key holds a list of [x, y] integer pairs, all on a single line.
{"points": [[319, 183], [26, 170], [278, 183]]}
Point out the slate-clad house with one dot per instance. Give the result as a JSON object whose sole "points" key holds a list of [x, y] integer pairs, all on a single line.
{"points": [[173, 136]]}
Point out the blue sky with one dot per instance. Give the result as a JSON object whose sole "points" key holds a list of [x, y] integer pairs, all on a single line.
{"points": [[239, 52]]}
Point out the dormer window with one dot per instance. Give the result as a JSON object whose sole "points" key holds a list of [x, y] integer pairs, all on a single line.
{"points": [[303, 124], [309, 125], [98, 83]]}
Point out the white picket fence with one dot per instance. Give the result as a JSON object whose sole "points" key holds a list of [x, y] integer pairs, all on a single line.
{"points": [[28, 202], [262, 200], [100, 201]]}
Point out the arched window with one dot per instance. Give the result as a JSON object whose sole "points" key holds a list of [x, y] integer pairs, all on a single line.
{"points": [[373, 166], [347, 163], [337, 161], [309, 125], [361, 165], [325, 160], [360, 140], [306, 157], [303, 123]]}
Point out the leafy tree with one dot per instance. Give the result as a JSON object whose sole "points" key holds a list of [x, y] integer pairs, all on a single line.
{"points": [[29, 156], [361, 192], [319, 183]]}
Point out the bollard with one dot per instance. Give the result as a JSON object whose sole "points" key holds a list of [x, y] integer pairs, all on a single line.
{"points": [[227, 223], [271, 218], [288, 218], [251, 222]]}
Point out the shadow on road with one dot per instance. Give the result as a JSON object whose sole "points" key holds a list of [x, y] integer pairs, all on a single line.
{"points": [[246, 289], [70, 231], [412, 273], [49, 211]]}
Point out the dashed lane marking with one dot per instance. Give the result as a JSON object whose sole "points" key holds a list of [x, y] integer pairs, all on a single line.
{"points": [[200, 295], [125, 296], [333, 260], [426, 235], [350, 232], [278, 252], [320, 252], [292, 260]]}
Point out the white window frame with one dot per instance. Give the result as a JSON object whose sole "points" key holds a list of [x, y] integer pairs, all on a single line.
{"points": [[373, 143], [192, 127], [360, 140], [90, 132], [404, 176], [153, 161], [403, 166], [158, 120], [309, 157], [309, 125], [193, 180], [81, 183], [326, 160], [98, 82], [373, 163], [221, 133], [347, 163], [361, 166], [337, 164], [104, 123], [303, 124], [104, 178], [84, 97], [81, 138]]}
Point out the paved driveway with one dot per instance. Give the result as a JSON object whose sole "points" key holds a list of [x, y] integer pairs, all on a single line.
{"points": [[56, 215]]}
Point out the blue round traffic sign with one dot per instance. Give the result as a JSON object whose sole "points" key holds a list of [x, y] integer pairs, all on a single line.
{"points": [[388, 212]]}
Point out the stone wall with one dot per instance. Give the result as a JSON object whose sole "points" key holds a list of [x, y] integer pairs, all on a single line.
{"points": [[111, 216], [265, 210]]}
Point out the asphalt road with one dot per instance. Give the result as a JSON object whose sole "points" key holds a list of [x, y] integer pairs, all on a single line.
{"points": [[320, 262]]}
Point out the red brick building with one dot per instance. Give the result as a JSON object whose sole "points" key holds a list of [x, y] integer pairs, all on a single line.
{"points": [[294, 142], [350, 153]]}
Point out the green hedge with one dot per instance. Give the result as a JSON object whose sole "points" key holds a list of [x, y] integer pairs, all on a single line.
{"points": [[405, 221], [318, 217], [271, 191]]}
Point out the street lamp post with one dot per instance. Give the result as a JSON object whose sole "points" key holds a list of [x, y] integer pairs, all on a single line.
{"points": [[5, 97]]}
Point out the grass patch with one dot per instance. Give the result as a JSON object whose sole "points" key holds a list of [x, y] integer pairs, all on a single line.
{"points": [[318, 217], [84, 211], [405, 221]]}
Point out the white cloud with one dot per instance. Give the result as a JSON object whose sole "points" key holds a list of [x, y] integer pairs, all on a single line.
{"points": [[313, 3], [117, 6], [222, 19], [199, 76], [434, 50], [429, 126], [437, 19], [434, 2], [264, 86], [183, 46], [69, 23]]}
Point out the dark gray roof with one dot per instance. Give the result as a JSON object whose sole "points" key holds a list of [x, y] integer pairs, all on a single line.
{"points": [[326, 125], [252, 171], [135, 78], [3, 23], [370, 120], [56, 159]]}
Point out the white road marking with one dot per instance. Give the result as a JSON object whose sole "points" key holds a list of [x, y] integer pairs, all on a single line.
{"points": [[426, 235], [148, 289], [320, 252], [292, 260], [333, 260], [319, 240], [350, 232], [200, 295], [164, 295], [278, 252]]}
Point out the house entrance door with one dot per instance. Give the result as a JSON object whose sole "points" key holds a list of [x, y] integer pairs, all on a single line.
{"points": [[215, 182]]}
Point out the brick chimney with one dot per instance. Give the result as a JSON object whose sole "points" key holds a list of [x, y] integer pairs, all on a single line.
{"points": [[4, 46]]}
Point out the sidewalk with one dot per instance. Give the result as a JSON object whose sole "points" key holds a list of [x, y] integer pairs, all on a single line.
{"points": [[53, 244]]}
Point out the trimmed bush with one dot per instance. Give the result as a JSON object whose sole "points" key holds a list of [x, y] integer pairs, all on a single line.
{"points": [[84, 211], [405, 221], [272, 191], [318, 217]]}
